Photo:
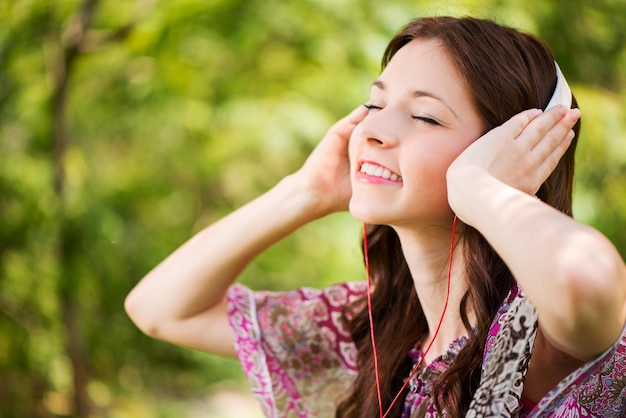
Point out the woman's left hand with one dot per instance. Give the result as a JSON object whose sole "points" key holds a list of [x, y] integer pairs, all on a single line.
{"points": [[521, 153]]}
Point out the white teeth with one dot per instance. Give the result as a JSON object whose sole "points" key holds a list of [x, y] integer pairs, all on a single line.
{"points": [[378, 171]]}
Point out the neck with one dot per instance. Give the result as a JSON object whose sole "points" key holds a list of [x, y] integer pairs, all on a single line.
{"points": [[427, 252]]}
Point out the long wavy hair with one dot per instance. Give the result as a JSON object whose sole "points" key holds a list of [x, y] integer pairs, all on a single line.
{"points": [[506, 72]]}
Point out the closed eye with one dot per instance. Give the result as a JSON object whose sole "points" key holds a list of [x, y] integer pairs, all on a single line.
{"points": [[427, 120], [424, 119], [371, 107]]}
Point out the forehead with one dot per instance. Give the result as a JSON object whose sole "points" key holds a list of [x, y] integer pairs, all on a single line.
{"points": [[424, 68], [422, 62]]}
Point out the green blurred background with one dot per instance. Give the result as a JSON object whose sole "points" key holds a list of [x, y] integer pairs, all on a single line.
{"points": [[127, 125]]}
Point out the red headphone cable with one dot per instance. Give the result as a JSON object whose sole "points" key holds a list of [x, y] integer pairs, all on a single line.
{"points": [[369, 309]]}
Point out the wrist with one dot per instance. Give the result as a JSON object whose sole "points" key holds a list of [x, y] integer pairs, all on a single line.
{"points": [[480, 199], [476, 196], [465, 185], [322, 191], [297, 197]]}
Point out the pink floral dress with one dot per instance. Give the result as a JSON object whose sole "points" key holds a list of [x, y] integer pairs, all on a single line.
{"points": [[300, 360]]}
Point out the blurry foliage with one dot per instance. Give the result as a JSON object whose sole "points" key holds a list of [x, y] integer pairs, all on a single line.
{"points": [[177, 112]]}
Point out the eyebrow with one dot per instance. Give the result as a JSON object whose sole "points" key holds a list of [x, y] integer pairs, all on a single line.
{"points": [[418, 94]]}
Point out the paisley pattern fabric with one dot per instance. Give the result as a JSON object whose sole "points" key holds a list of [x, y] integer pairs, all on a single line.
{"points": [[506, 359], [418, 401], [300, 361], [597, 389], [295, 350]]}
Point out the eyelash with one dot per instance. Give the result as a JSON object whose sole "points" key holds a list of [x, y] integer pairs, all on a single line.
{"points": [[371, 106], [427, 120]]}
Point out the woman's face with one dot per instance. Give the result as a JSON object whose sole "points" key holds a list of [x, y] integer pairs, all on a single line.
{"points": [[421, 118]]}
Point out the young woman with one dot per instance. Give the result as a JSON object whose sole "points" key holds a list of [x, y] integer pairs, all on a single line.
{"points": [[515, 310]]}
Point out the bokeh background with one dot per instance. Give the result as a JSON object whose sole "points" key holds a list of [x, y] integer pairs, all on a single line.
{"points": [[127, 125]]}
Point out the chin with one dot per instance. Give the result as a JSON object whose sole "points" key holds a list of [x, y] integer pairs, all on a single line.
{"points": [[359, 212], [367, 213]]}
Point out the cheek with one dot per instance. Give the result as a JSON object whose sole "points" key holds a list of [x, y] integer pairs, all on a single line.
{"points": [[457, 147], [436, 160], [431, 165]]}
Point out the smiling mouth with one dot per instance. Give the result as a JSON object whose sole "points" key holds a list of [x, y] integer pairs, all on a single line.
{"points": [[378, 171]]}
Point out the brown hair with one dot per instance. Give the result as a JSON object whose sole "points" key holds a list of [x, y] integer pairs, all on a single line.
{"points": [[506, 71]]}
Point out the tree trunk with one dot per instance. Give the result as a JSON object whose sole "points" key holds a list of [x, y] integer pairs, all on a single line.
{"points": [[68, 280]]}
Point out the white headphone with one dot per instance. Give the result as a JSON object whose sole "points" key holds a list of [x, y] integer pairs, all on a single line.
{"points": [[562, 93]]}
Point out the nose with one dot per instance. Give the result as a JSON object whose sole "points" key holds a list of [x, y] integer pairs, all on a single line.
{"points": [[380, 128]]}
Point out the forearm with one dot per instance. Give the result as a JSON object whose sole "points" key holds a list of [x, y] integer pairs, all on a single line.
{"points": [[197, 275], [183, 299], [572, 273]]}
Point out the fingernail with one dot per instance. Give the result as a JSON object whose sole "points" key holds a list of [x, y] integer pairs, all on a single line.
{"points": [[575, 113], [570, 135]]}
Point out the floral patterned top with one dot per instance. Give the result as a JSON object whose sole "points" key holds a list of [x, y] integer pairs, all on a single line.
{"points": [[300, 360]]}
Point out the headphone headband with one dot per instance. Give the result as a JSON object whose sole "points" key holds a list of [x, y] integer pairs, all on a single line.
{"points": [[562, 93]]}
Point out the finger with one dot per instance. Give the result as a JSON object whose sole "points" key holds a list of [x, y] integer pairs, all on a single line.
{"points": [[345, 126], [550, 162], [538, 129], [356, 116], [513, 127], [554, 138]]}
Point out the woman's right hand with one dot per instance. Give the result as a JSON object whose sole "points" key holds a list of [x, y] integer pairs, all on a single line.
{"points": [[326, 172]]}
